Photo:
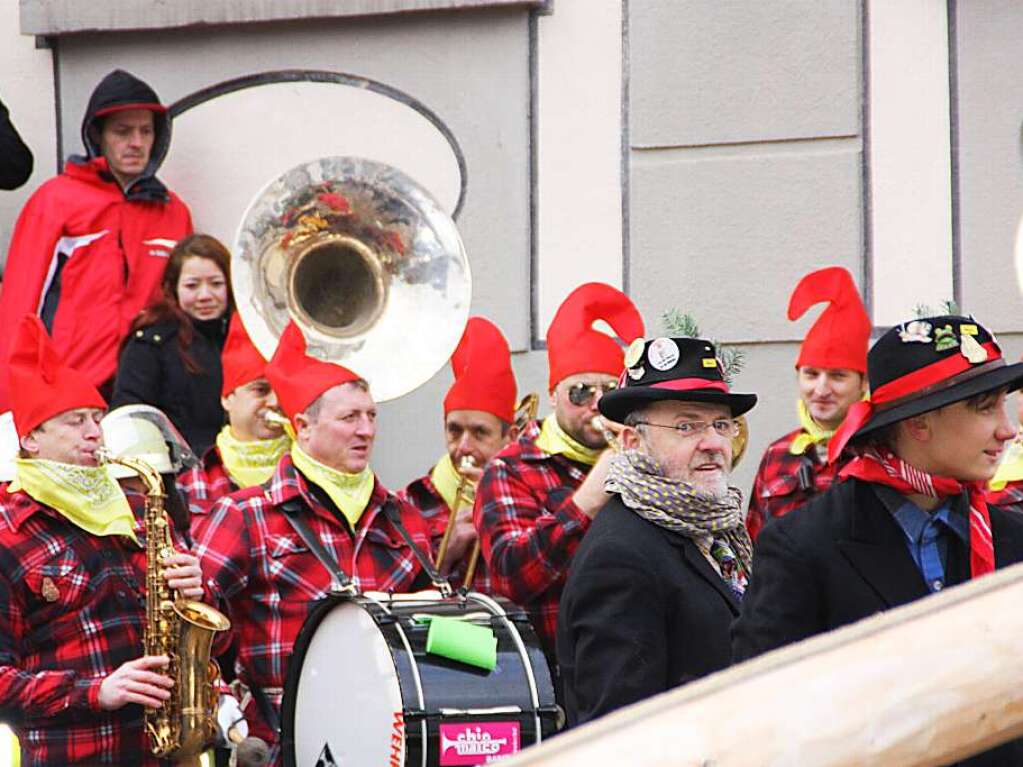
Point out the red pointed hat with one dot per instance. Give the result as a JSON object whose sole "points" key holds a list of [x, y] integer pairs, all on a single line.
{"points": [[574, 346], [41, 385], [483, 374], [299, 379], [839, 337], [241, 361]]}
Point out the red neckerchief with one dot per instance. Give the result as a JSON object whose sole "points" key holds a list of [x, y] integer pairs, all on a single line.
{"points": [[885, 468]]}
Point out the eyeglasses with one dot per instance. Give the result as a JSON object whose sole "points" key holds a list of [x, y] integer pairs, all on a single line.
{"points": [[725, 427], [580, 394]]}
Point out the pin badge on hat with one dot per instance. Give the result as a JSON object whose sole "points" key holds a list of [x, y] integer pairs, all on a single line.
{"points": [[663, 353], [916, 331], [634, 353], [944, 339], [972, 350]]}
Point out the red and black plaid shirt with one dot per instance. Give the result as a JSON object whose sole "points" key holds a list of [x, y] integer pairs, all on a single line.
{"points": [[1009, 498], [73, 611], [268, 580], [530, 526], [785, 482], [423, 494], [206, 483]]}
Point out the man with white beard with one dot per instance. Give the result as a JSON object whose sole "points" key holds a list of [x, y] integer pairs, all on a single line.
{"points": [[658, 578]]}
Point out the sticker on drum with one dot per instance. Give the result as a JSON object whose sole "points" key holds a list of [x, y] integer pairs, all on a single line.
{"points": [[477, 742]]}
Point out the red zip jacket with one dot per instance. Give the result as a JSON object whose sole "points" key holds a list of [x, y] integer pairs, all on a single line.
{"points": [[116, 250]]}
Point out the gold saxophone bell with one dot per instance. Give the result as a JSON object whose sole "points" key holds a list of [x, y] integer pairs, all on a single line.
{"points": [[364, 261]]}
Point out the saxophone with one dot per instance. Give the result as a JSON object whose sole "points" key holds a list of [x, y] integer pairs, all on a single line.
{"points": [[182, 630]]}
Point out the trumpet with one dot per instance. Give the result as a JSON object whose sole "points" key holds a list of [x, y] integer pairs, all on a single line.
{"points": [[465, 494]]}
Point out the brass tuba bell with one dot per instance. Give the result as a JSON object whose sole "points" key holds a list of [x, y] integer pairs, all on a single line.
{"points": [[365, 262]]}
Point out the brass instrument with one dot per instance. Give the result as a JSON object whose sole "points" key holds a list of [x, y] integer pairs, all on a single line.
{"points": [[464, 495], [182, 630], [600, 424], [364, 261]]}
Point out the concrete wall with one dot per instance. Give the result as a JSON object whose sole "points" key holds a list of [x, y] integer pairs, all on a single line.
{"points": [[26, 87], [746, 163]]}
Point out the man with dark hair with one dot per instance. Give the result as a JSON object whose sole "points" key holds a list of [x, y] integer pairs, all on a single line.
{"points": [[253, 542], [538, 496], [656, 581], [479, 415], [908, 516], [90, 245], [830, 375]]}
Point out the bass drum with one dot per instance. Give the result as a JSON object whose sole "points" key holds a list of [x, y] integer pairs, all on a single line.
{"points": [[361, 689]]}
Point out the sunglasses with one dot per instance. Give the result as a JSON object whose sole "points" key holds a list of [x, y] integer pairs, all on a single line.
{"points": [[583, 393]]}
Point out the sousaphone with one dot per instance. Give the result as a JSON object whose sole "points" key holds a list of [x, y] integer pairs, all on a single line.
{"points": [[366, 263]]}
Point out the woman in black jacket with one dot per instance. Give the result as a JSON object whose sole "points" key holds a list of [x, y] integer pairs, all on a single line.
{"points": [[171, 357]]}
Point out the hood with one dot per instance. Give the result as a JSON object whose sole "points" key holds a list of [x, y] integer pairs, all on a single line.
{"points": [[117, 91]]}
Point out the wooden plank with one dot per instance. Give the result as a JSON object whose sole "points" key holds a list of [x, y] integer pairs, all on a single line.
{"points": [[924, 685]]}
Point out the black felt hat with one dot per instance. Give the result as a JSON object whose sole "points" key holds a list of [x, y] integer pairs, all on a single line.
{"points": [[922, 365], [671, 369]]}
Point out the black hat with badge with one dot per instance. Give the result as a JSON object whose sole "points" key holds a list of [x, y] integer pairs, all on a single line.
{"points": [[684, 369], [922, 365]]}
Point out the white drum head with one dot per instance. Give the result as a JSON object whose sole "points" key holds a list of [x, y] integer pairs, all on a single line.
{"points": [[348, 697]]}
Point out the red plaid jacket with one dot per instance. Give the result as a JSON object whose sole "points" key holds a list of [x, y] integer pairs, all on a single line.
{"points": [[785, 482], [422, 494], [267, 580], [1009, 497], [530, 526], [206, 483], [73, 610]]}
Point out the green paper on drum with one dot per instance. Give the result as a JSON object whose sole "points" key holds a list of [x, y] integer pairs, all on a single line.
{"points": [[462, 641]]}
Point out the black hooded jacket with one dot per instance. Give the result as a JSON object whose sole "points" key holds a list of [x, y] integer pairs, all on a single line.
{"points": [[119, 89]]}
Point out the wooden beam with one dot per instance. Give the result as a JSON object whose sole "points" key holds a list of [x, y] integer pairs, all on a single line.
{"points": [[922, 685]]}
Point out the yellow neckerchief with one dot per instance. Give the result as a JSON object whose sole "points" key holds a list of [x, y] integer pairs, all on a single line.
{"points": [[555, 441], [250, 463], [350, 492], [1011, 467], [812, 433], [87, 496], [446, 479]]}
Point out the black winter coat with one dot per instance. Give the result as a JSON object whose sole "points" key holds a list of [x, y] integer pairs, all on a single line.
{"points": [[843, 557], [151, 371], [642, 611]]}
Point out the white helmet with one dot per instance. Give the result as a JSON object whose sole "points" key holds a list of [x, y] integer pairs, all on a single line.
{"points": [[145, 433]]}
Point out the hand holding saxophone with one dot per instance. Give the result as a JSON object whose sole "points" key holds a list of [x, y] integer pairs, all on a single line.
{"points": [[136, 681], [183, 574]]}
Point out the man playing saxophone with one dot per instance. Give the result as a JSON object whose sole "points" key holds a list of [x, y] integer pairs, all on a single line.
{"points": [[73, 676], [479, 420]]}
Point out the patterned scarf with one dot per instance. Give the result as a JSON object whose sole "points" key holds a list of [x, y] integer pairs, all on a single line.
{"points": [[554, 440], [882, 466], [350, 492], [87, 496], [812, 434], [676, 505], [250, 463]]}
